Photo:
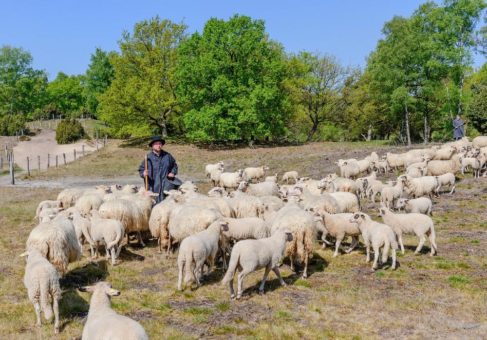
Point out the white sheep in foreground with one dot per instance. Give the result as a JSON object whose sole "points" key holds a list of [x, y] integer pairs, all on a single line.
{"points": [[290, 175], [56, 240], [159, 220], [196, 250], [107, 230], [103, 322], [413, 223], [250, 255], [211, 167], [42, 282], [339, 227], [230, 180], [446, 179], [421, 205], [379, 236], [257, 173]]}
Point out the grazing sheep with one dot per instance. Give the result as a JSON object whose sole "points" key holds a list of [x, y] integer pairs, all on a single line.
{"points": [[250, 255], [471, 162], [390, 194], [42, 282], [107, 230], [245, 205], [445, 153], [479, 142], [259, 189], [374, 188], [257, 173], [446, 179], [379, 236], [56, 240], [422, 205], [347, 202], [88, 202], [197, 250], [394, 161], [211, 167], [339, 227], [103, 322], [437, 167], [412, 223], [421, 186], [290, 175], [48, 204], [302, 224], [230, 180], [271, 178]]}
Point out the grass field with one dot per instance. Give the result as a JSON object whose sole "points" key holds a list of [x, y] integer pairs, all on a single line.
{"points": [[440, 297]]}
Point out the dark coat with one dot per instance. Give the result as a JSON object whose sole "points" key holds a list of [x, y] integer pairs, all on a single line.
{"points": [[458, 129], [159, 167]]}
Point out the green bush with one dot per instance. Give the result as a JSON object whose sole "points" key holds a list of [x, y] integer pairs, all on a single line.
{"points": [[331, 133], [440, 136], [69, 131], [10, 125]]}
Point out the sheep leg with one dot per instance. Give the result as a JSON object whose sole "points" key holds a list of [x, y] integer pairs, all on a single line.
{"points": [[112, 252], [353, 245], [232, 292], [291, 259], [262, 284], [401, 244], [420, 245], [278, 274], [139, 235], [385, 252], [55, 306], [241, 276], [159, 243], [367, 252], [452, 190], [92, 251], [37, 308], [305, 272], [180, 275], [375, 265], [393, 258], [337, 245]]}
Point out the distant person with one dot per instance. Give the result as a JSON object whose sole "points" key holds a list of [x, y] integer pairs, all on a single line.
{"points": [[161, 169], [458, 128]]}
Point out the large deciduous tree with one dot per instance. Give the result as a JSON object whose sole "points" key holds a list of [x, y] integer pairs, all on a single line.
{"points": [[231, 80], [142, 97], [98, 78], [66, 95]]}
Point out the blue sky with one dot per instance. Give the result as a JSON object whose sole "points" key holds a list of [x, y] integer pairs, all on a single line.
{"points": [[61, 35]]}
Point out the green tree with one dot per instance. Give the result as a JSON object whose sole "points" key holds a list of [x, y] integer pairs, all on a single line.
{"points": [[66, 94], [99, 76], [231, 81], [141, 98], [477, 110]]}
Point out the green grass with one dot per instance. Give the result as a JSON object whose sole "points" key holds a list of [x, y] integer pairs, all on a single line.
{"points": [[458, 281]]}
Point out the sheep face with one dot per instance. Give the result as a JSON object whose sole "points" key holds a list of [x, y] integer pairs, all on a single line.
{"points": [[102, 285], [357, 218], [289, 236], [243, 185]]}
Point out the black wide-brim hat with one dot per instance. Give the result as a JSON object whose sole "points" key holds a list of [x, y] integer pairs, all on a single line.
{"points": [[156, 139]]}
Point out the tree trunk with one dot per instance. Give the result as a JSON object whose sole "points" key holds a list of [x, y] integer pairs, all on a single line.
{"points": [[313, 130], [406, 122], [163, 130], [426, 129], [369, 133], [460, 97]]}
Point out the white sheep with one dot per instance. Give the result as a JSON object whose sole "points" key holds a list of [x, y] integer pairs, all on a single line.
{"points": [[381, 166], [445, 153], [339, 227], [395, 161], [390, 194], [412, 223], [48, 214], [250, 255], [211, 167], [290, 175], [159, 220], [446, 179], [338, 184], [259, 189], [374, 188], [421, 186], [472, 162], [107, 230], [257, 173], [479, 142], [103, 322], [56, 240], [271, 178], [379, 236], [421, 205], [438, 167], [347, 202], [246, 228], [196, 250], [230, 180], [310, 184], [45, 205], [350, 169], [245, 205], [42, 282], [88, 202], [215, 176], [317, 203]]}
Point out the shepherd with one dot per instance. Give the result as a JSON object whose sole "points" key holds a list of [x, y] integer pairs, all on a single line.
{"points": [[458, 128], [159, 169]]}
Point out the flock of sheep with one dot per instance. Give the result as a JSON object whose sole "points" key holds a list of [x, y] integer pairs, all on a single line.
{"points": [[247, 221]]}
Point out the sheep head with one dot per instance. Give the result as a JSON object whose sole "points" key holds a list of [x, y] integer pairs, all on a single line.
{"points": [[104, 286]]}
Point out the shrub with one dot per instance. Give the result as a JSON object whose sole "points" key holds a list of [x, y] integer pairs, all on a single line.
{"points": [[10, 125], [69, 131]]}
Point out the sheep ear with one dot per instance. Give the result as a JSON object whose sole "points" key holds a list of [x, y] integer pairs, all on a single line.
{"points": [[24, 254], [86, 289]]}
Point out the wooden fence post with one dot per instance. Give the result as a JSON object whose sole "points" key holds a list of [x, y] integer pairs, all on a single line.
{"points": [[39, 163], [48, 160], [11, 164], [28, 166], [64, 158], [56, 162], [83, 149], [1, 162], [74, 153], [105, 141]]}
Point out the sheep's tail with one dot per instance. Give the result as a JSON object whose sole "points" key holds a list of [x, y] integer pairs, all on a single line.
{"points": [[300, 245], [57, 254], [232, 267], [188, 260], [385, 251], [46, 306], [117, 239]]}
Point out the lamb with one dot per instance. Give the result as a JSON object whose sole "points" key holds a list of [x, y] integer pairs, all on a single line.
{"points": [[479, 142], [47, 205], [445, 153], [103, 322], [419, 224], [290, 175], [56, 240], [107, 230], [211, 167], [339, 227], [389, 194], [303, 227], [422, 205], [42, 282], [381, 166], [214, 176], [190, 220], [446, 179], [420, 186], [379, 236], [472, 162], [230, 180], [199, 249], [271, 178], [250, 255], [259, 189], [257, 173]]}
